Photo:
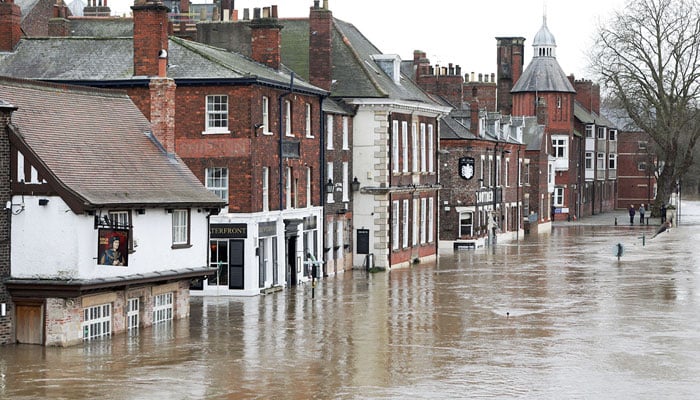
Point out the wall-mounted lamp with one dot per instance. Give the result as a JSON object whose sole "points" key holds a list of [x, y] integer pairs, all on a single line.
{"points": [[9, 205], [329, 186], [43, 202], [355, 185]]}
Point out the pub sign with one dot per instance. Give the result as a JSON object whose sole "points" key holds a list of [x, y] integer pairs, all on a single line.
{"points": [[466, 167]]}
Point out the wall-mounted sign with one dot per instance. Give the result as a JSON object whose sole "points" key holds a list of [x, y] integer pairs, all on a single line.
{"points": [[266, 229], [228, 231], [466, 167], [113, 247]]}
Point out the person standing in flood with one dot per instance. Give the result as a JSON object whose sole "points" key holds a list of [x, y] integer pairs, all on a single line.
{"points": [[642, 210], [662, 211], [632, 212]]}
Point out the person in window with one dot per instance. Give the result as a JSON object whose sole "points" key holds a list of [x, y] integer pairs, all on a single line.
{"points": [[112, 255]]}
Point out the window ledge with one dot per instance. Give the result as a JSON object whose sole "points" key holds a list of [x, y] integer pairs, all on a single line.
{"points": [[216, 132], [181, 246]]}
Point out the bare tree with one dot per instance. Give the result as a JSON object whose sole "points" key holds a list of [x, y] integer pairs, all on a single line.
{"points": [[648, 58]]}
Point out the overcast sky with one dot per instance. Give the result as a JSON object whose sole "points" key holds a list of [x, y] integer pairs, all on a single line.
{"points": [[461, 32]]}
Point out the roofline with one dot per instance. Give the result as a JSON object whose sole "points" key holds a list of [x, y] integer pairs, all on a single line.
{"points": [[249, 80], [48, 288], [398, 103]]}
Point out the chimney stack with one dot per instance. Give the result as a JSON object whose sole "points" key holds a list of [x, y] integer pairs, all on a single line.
{"points": [[320, 54], [150, 36], [10, 25], [474, 117], [266, 38]]}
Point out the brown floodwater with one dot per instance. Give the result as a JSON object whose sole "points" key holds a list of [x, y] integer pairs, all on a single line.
{"points": [[553, 316]]}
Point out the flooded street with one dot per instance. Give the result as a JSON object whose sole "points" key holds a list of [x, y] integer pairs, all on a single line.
{"points": [[554, 316]]}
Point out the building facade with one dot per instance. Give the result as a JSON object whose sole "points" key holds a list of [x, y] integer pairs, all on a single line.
{"points": [[108, 240]]}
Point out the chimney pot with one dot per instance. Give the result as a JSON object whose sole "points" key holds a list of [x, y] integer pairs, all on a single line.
{"points": [[458, 70], [274, 11], [266, 12], [246, 14], [256, 13]]}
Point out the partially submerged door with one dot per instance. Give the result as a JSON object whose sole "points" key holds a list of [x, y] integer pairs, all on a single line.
{"points": [[29, 323]]}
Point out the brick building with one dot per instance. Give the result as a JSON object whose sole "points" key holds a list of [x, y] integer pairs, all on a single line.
{"points": [[249, 130], [393, 133]]}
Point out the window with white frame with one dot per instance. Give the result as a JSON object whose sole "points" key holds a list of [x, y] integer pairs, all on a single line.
{"points": [[505, 173], [526, 173], [346, 133], [181, 231], [97, 321], [162, 307], [416, 222], [346, 181], [404, 224], [423, 220], [550, 173], [520, 174], [589, 131], [404, 145], [600, 162], [414, 147], [423, 159], [132, 313], [329, 132], [465, 223], [612, 135], [481, 171], [288, 118], [217, 114], [217, 182], [431, 219], [307, 122], [612, 161], [266, 116], [431, 149], [395, 146], [588, 162], [601, 132], [266, 189], [308, 187], [641, 166], [560, 147], [329, 174], [288, 188], [642, 145], [558, 196], [395, 225], [498, 170]]}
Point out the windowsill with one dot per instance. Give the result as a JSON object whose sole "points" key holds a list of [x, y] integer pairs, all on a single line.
{"points": [[310, 136], [267, 133], [216, 132], [181, 246]]}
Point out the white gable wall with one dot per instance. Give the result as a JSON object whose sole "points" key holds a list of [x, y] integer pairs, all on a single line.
{"points": [[52, 242]]}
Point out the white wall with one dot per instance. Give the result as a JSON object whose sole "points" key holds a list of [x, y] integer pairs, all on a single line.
{"points": [[52, 242]]}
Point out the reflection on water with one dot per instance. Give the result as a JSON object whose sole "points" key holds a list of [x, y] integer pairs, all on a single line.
{"points": [[554, 316]]}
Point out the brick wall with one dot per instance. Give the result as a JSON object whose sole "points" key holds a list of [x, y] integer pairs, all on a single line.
{"points": [[245, 150], [150, 37], [10, 28], [5, 196]]}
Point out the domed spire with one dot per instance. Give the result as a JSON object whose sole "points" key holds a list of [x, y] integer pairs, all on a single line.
{"points": [[544, 43]]}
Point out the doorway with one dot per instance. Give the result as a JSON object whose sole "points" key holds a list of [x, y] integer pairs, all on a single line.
{"points": [[30, 323]]}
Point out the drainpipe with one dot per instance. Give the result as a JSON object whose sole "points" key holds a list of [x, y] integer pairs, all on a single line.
{"points": [[281, 152]]}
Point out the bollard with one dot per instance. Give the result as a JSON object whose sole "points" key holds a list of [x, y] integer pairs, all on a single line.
{"points": [[644, 238]]}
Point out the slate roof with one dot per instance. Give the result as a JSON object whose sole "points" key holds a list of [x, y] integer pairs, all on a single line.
{"points": [[543, 74], [102, 27], [587, 117], [355, 73], [98, 146], [99, 60], [26, 6]]}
